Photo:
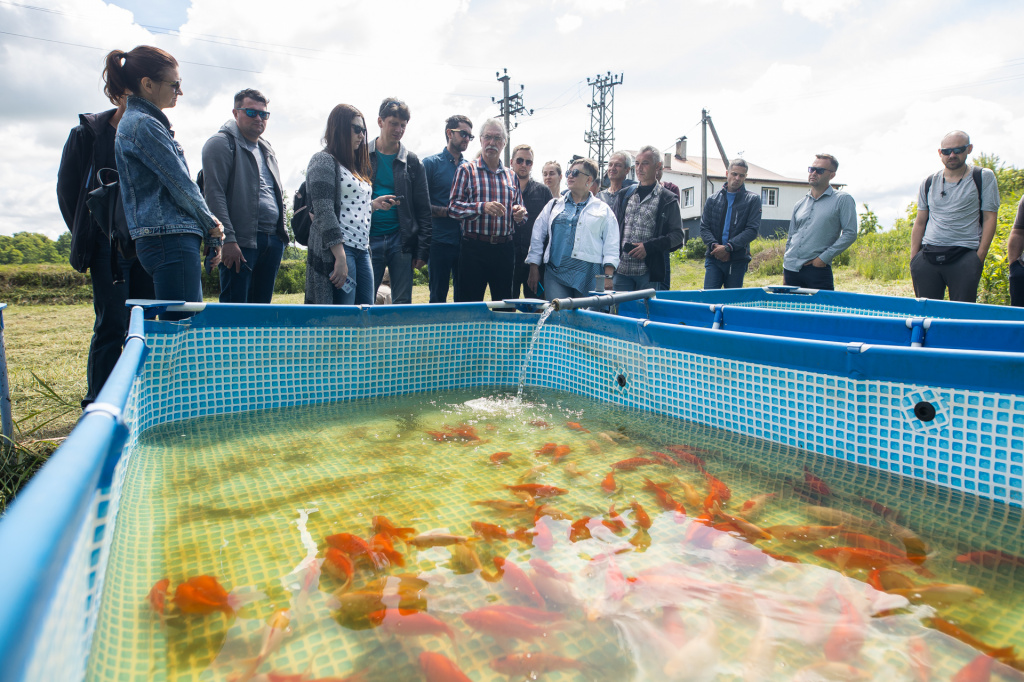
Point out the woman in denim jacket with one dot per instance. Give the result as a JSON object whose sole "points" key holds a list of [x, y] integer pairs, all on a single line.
{"points": [[166, 214]]}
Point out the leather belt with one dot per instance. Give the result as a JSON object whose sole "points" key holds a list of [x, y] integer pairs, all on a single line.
{"points": [[492, 239]]}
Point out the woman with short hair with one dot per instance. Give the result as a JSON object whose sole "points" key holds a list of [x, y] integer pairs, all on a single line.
{"points": [[582, 237]]}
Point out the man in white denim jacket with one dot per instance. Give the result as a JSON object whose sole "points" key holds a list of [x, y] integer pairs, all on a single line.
{"points": [[582, 237]]}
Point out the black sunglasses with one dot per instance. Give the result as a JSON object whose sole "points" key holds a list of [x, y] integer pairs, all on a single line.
{"points": [[946, 151], [176, 85], [465, 135], [528, 162], [253, 113], [816, 169], [358, 130], [576, 171]]}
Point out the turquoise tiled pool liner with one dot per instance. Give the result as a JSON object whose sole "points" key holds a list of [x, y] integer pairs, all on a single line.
{"points": [[852, 401]]}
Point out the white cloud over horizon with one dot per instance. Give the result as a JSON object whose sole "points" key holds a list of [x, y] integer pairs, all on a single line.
{"points": [[877, 84]]}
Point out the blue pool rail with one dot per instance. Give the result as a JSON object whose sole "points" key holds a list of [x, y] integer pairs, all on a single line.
{"points": [[40, 527], [6, 416]]}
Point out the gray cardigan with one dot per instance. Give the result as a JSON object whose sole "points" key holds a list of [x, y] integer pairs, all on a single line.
{"points": [[323, 183]]}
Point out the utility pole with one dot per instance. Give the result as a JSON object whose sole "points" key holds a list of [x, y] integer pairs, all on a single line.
{"points": [[510, 106], [601, 136], [705, 121]]}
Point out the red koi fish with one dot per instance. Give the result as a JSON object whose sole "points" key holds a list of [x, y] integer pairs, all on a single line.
{"points": [[640, 517], [686, 456], [576, 426], [340, 566], [815, 484], [608, 484], [615, 523], [580, 530], [847, 636], [1005, 654], [410, 623], [438, 540], [719, 491], [747, 529], [505, 625], [991, 559], [500, 457], [356, 547], [537, 490], [533, 664], [664, 459], [492, 532], [463, 432], [664, 499], [633, 463], [439, 668], [382, 526], [803, 533], [526, 613], [754, 507], [869, 542], [202, 595], [782, 557], [520, 583], [157, 596], [542, 537], [867, 559], [978, 670], [560, 453]]}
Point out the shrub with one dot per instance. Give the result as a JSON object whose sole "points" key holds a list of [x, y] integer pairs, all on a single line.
{"points": [[291, 278], [883, 255], [995, 286], [766, 256], [694, 249], [46, 283]]}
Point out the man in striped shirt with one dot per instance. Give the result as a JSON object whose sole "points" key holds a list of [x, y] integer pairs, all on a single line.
{"points": [[486, 198]]}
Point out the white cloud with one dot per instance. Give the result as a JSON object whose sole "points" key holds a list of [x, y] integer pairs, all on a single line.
{"points": [[567, 23], [819, 11]]}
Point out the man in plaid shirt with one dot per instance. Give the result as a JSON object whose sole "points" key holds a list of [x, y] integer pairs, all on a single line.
{"points": [[486, 198]]}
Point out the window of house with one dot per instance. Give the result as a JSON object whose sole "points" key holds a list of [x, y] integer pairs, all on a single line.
{"points": [[688, 197], [769, 196]]}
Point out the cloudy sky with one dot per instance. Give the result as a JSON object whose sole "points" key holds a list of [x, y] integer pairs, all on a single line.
{"points": [[875, 82]]}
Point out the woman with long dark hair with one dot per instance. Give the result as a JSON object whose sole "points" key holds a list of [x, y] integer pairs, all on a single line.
{"points": [[166, 214], [338, 180]]}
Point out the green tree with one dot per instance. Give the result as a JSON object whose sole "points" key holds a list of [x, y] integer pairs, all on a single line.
{"points": [[868, 222], [9, 254], [36, 248], [1009, 178], [64, 245]]}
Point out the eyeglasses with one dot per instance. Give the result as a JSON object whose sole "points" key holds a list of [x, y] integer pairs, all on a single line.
{"points": [[946, 151], [358, 130], [253, 113], [492, 138], [526, 162], [576, 171], [175, 85], [465, 135], [817, 169]]}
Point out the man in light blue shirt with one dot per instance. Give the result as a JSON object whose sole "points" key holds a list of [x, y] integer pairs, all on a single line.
{"points": [[823, 225]]}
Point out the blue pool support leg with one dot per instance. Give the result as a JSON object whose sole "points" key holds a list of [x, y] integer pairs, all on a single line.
{"points": [[719, 316], [6, 418], [918, 326]]}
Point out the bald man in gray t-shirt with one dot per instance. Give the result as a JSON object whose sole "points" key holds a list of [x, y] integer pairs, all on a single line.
{"points": [[954, 225]]}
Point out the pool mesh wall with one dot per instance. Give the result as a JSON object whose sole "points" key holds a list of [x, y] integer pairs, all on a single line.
{"points": [[975, 444]]}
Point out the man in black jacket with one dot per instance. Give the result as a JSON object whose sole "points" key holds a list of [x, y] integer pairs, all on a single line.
{"points": [[90, 147], [729, 222], [399, 240], [649, 228], [535, 197]]}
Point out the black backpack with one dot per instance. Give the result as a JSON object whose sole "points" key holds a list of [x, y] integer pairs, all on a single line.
{"points": [[107, 211], [302, 219]]}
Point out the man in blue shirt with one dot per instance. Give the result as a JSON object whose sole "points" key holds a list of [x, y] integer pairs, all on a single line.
{"points": [[447, 232], [729, 222]]}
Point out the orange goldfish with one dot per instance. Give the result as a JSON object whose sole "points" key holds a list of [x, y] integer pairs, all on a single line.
{"points": [[382, 526], [560, 453], [410, 623], [938, 594], [537, 490], [157, 596], [754, 507], [884, 580], [1005, 653], [276, 631], [527, 613], [500, 457], [505, 625], [490, 531], [576, 426], [542, 537], [869, 542], [608, 484], [633, 463], [339, 565], [664, 499], [438, 540], [202, 595], [920, 659], [867, 559], [747, 529], [664, 459], [815, 484], [505, 506], [847, 636], [520, 583], [686, 456], [640, 516], [355, 547], [547, 449], [719, 491], [439, 668], [978, 670], [534, 663], [580, 530], [381, 545], [803, 533]]}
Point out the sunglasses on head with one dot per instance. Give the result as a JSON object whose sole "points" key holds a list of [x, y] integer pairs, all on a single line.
{"points": [[946, 151], [576, 171], [253, 113], [818, 170], [465, 135], [521, 160]]}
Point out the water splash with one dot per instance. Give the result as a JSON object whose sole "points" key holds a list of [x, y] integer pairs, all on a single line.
{"points": [[533, 343]]}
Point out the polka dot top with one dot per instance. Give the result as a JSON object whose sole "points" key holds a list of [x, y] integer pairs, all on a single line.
{"points": [[356, 210]]}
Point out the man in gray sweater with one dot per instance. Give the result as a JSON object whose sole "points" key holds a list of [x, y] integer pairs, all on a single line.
{"points": [[242, 186], [823, 225]]}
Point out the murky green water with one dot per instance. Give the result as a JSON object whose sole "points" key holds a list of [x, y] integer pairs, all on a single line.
{"points": [[249, 500]]}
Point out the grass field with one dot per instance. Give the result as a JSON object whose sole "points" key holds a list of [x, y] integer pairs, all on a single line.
{"points": [[48, 346]]}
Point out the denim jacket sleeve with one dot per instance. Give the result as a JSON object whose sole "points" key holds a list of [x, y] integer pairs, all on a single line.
{"points": [[157, 150]]}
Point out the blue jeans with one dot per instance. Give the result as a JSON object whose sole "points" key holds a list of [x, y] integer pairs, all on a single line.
{"points": [[361, 270], [254, 282], [553, 289], [630, 282], [442, 267], [108, 299], [727, 274], [386, 252], [175, 264]]}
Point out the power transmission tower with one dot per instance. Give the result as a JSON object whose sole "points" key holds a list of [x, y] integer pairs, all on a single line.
{"points": [[601, 136], [510, 105]]}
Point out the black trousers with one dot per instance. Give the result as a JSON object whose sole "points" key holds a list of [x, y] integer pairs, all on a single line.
{"points": [[1016, 284], [108, 301], [810, 277], [483, 265], [519, 276]]}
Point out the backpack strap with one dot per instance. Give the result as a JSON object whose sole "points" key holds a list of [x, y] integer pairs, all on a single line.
{"points": [[976, 176]]}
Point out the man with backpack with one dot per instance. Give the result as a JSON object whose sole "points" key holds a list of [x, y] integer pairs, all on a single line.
{"points": [[114, 270], [955, 224], [242, 186]]}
